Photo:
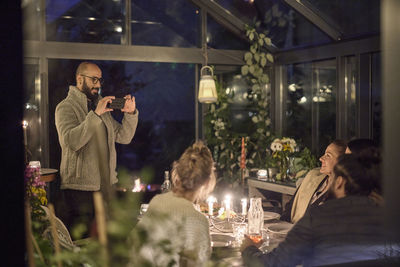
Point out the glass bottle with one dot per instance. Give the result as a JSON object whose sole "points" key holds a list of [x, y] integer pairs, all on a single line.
{"points": [[255, 218], [166, 185]]}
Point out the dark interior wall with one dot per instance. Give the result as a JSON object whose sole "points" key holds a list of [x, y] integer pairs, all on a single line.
{"points": [[11, 145]]}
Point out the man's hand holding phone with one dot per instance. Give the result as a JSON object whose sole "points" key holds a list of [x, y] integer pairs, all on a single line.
{"points": [[130, 104], [102, 105]]}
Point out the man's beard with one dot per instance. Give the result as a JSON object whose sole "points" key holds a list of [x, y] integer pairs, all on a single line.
{"points": [[87, 91]]}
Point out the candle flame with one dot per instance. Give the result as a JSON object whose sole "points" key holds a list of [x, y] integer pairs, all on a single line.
{"points": [[211, 199], [138, 186]]}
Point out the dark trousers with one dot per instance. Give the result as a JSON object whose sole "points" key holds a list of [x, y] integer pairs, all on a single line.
{"points": [[78, 211]]}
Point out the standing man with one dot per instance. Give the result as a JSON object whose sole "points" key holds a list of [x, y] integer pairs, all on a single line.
{"points": [[87, 134]]}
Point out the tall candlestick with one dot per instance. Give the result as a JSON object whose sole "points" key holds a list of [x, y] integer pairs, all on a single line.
{"points": [[228, 206], [24, 127], [244, 206], [243, 155], [211, 201]]}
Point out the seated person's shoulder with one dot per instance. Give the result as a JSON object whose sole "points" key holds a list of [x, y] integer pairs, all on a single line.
{"points": [[312, 174]]}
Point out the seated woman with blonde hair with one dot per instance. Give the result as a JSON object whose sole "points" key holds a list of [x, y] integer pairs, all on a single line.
{"points": [[177, 233]]}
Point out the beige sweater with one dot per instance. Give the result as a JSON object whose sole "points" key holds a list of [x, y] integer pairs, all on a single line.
{"points": [[305, 193], [186, 228], [77, 128]]}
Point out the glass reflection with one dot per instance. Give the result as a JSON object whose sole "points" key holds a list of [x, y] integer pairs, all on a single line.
{"points": [[31, 19], [351, 83], [32, 110], [286, 27], [165, 23], [351, 16], [85, 21], [376, 97], [311, 103]]}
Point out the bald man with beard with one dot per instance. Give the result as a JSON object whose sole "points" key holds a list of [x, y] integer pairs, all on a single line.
{"points": [[87, 134]]}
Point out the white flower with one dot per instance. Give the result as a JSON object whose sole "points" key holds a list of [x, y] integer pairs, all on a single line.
{"points": [[279, 147], [275, 146], [292, 142], [268, 122], [254, 119]]}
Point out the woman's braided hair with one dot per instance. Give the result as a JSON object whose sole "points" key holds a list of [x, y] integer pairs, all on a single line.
{"points": [[362, 174]]}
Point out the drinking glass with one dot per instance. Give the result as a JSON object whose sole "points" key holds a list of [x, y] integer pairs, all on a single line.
{"points": [[239, 230]]}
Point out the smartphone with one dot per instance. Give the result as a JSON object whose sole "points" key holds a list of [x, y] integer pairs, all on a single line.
{"points": [[117, 103]]}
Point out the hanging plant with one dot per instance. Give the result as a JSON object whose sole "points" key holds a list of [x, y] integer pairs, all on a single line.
{"points": [[222, 140]]}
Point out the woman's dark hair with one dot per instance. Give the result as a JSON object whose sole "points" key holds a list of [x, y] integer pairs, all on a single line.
{"points": [[193, 169], [362, 174], [364, 147], [340, 145]]}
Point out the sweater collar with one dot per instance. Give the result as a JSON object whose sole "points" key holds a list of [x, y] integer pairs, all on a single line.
{"points": [[79, 95]]}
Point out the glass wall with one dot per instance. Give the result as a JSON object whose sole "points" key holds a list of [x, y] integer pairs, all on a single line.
{"points": [[165, 98], [31, 21], [165, 23], [85, 21], [350, 89], [311, 103], [31, 120], [286, 28], [220, 38], [345, 14], [376, 97]]}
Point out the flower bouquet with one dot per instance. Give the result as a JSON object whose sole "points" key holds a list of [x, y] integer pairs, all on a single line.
{"points": [[282, 149]]}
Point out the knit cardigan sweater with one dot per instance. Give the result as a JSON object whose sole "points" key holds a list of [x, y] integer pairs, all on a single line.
{"points": [[76, 128], [186, 228]]}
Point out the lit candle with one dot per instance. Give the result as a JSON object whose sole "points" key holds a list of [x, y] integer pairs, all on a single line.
{"points": [[228, 206], [244, 206], [210, 201], [24, 127], [137, 186]]}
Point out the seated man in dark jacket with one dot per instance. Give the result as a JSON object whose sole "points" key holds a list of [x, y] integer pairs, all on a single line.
{"points": [[347, 228]]}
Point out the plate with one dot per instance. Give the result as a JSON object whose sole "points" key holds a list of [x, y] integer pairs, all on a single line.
{"points": [[219, 240], [280, 228], [269, 215]]}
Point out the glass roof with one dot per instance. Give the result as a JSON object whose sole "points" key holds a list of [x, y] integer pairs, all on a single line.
{"points": [[286, 27], [354, 18]]}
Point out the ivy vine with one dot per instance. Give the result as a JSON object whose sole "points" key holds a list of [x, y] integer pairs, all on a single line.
{"points": [[225, 143]]}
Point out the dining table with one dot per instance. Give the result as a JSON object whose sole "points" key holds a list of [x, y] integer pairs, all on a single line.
{"points": [[286, 188], [226, 244]]}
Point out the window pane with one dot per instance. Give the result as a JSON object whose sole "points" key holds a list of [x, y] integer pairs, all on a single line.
{"points": [[31, 19], [165, 98], [311, 103], [354, 18], [285, 27], [32, 109], [351, 81], [165, 23], [86, 21], [376, 97], [219, 37]]}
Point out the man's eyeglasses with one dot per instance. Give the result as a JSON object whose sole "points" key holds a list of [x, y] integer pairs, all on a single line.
{"points": [[94, 79]]}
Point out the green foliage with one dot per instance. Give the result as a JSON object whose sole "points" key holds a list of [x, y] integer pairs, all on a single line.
{"points": [[225, 143], [308, 160]]}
